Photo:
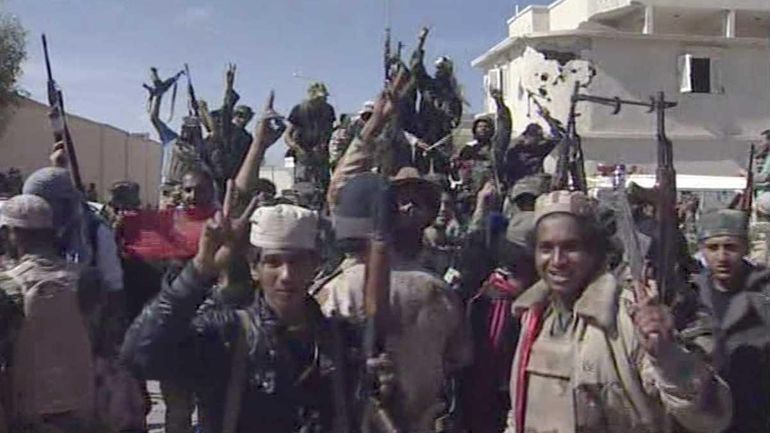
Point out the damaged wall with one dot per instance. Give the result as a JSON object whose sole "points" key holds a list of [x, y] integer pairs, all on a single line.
{"points": [[710, 128]]}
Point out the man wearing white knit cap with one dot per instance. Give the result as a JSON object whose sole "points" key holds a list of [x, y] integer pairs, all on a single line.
{"points": [[282, 377]]}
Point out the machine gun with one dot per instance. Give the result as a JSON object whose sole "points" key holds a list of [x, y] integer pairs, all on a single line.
{"points": [[58, 118]]}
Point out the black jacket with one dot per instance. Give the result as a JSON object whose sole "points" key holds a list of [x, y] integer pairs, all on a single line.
{"points": [[288, 379], [742, 349]]}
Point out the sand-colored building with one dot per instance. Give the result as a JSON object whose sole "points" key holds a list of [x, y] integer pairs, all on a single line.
{"points": [[106, 154]]}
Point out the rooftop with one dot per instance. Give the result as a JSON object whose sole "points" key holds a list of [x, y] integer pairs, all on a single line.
{"points": [[712, 21]]}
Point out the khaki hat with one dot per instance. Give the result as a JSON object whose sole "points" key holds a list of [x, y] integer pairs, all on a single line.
{"points": [[724, 222], [284, 227], [409, 177], [570, 202], [28, 212]]}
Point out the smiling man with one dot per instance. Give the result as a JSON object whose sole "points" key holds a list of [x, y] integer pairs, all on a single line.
{"points": [[283, 383], [735, 292]]}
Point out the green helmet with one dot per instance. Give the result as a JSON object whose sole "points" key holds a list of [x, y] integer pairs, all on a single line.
{"points": [[317, 90]]}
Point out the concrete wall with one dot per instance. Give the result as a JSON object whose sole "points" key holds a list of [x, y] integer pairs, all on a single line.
{"points": [[756, 5], [710, 131], [741, 111], [106, 154], [533, 19], [568, 14]]}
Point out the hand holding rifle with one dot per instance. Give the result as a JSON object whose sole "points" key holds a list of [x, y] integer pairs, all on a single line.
{"points": [[653, 321], [386, 106]]}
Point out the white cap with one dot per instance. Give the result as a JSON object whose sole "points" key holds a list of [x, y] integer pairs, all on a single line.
{"points": [[367, 108], [27, 211], [284, 227]]}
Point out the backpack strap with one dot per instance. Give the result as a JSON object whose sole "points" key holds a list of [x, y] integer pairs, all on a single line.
{"points": [[237, 374]]}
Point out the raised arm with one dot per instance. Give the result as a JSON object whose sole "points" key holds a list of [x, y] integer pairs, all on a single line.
{"points": [[359, 157], [231, 97], [268, 130]]}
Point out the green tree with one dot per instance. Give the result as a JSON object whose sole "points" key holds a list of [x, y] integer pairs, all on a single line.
{"points": [[12, 53]]}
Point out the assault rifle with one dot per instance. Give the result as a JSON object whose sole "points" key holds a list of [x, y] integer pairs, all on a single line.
{"points": [[570, 163], [194, 107], [387, 55], [58, 118], [665, 179], [665, 203], [376, 417]]}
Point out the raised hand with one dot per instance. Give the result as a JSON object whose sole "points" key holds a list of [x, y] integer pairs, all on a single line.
{"points": [[496, 94], [58, 157], [654, 321], [487, 195], [386, 106], [230, 76], [235, 229], [223, 235], [271, 125]]}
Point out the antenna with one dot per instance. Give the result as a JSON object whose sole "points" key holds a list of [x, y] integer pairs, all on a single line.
{"points": [[516, 5]]}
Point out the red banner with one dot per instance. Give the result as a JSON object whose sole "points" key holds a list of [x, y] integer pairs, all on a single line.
{"points": [[161, 235]]}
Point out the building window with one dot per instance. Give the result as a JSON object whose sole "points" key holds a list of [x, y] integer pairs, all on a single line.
{"points": [[699, 74]]}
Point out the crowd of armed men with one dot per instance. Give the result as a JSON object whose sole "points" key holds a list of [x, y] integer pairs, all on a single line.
{"points": [[402, 286]]}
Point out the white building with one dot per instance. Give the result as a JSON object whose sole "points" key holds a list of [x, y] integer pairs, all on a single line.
{"points": [[710, 56]]}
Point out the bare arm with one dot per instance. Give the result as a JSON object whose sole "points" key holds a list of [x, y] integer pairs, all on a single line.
{"points": [[358, 158], [268, 130]]}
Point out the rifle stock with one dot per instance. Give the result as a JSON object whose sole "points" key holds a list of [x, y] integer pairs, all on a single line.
{"points": [[58, 118]]}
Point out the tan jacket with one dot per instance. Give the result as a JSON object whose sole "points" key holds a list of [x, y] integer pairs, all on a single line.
{"points": [[428, 340], [52, 370], [616, 386]]}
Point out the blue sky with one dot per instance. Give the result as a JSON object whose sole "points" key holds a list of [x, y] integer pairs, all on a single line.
{"points": [[102, 49]]}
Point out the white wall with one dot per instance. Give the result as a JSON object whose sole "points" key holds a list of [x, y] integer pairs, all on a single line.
{"points": [[533, 19], [568, 14], [758, 5]]}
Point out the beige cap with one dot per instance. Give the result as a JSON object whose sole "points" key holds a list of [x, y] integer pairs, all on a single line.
{"points": [[571, 202], [284, 227], [26, 211]]}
